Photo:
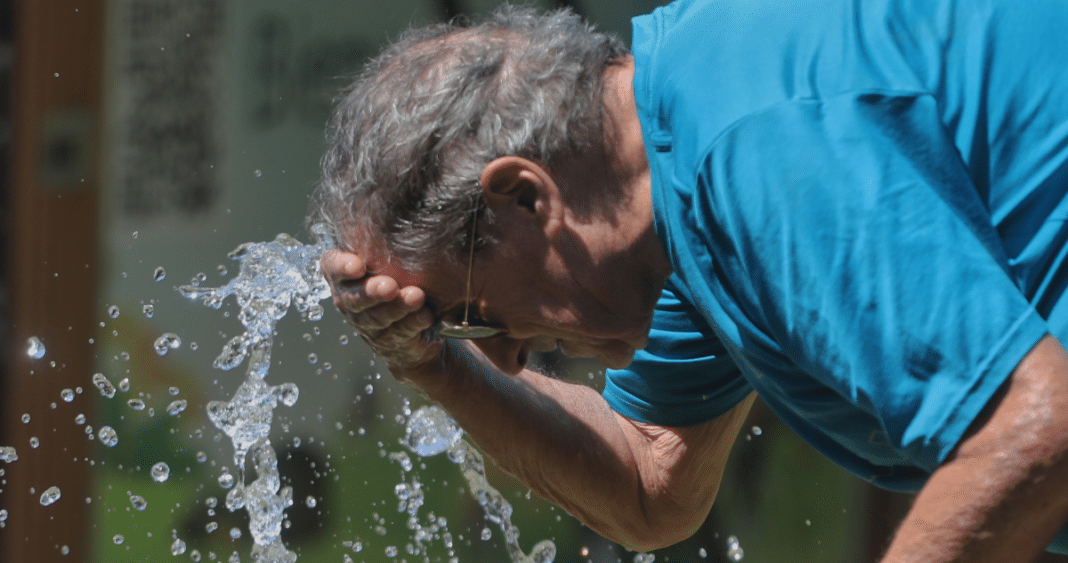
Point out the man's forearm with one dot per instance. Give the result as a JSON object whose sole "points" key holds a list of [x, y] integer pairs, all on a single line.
{"points": [[1004, 494], [565, 443]]}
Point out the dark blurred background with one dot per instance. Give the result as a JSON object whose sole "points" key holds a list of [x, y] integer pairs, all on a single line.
{"points": [[139, 134]]}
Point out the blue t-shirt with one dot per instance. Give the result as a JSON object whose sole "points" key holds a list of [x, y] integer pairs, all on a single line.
{"points": [[865, 206]]}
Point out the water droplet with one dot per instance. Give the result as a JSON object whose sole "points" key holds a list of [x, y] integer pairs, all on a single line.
{"points": [[34, 442], [344, 340], [64, 550], [67, 395], [195, 556], [288, 393], [168, 341], [486, 534], [159, 274], [124, 384], [202, 457], [211, 527], [235, 533], [136, 404], [108, 436], [138, 502], [35, 348], [734, 550], [26, 418], [174, 391], [113, 311], [391, 551], [3, 514], [178, 547], [177, 406], [160, 472], [222, 270], [757, 431], [105, 386], [8, 454], [148, 309], [234, 558], [51, 495], [80, 419], [644, 558], [226, 480], [702, 552], [258, 173], [118, 539], [369, 389], [310, 502], [312, 358]]}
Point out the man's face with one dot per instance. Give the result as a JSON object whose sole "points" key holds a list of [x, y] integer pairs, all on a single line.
{"points": [[538, 300]]}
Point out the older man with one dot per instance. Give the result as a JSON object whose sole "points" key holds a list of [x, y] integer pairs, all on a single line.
{"points": [[855, 209]]}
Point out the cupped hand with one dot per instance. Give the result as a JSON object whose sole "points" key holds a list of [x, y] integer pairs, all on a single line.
{"points": [[392, 319]]}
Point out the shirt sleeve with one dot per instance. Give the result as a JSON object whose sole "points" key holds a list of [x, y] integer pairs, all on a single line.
{"points": [[853, 250], [684, 375]]}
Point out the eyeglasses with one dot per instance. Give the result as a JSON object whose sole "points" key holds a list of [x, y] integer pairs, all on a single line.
{"points": [[464, 330]]}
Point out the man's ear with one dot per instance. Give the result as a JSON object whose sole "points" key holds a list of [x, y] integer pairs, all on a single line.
{"points": [[524, 188]]}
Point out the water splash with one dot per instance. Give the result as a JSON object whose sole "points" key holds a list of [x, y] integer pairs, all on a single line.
{"points": [[272, 277], [430, 431]]}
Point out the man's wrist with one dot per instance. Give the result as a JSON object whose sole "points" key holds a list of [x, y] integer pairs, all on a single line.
{"points": [[430, 376]]}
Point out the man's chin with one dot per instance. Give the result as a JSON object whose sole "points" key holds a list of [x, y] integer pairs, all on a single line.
{"points": [[617, 361], [616, 356]]}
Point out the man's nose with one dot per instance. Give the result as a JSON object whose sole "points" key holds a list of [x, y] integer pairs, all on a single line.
{"points": [[508, 354]]}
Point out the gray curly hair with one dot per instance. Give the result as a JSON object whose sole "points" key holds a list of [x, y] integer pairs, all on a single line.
{"points": [[409, 139]]}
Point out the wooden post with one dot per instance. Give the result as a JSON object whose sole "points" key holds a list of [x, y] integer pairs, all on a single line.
{"points": [[52, 246]]}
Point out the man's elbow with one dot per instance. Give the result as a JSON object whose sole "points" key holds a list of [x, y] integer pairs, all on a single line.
{"points": [[649, 530]]}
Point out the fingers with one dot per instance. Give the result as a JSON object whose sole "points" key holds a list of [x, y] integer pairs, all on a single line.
{"points": [[347, 273], [392, 319], [375, 303], [339, 265]]}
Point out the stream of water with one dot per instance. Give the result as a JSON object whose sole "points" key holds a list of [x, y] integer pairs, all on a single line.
{"points": [[272, 277]]}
